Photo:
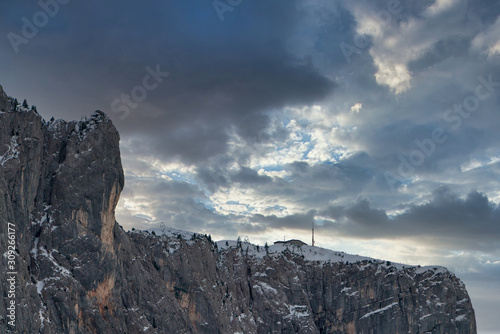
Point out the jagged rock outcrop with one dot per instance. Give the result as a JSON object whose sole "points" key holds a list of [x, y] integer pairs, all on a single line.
{"points": [[61, 183], [77, 271], [243, 288]]}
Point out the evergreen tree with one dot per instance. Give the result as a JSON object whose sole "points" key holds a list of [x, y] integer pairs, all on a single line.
{"points": [[25, 104]]}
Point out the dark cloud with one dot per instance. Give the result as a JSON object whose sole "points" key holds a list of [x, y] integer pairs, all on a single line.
{"points": [[473, 218], [295, 221], [454, 46], [250, 176], [471, 222], [486, 11], [361, 213], [213, 178], [174, 188], [332, 211], [221, 74]]}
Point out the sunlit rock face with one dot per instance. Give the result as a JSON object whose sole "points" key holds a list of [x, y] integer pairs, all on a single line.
{"points": [[77, 271]]}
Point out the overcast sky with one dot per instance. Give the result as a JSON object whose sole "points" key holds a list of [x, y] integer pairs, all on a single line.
{"points": [[376, 120]]}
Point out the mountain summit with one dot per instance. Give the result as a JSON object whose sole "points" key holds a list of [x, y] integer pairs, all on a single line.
{"points": [[69, 267]]}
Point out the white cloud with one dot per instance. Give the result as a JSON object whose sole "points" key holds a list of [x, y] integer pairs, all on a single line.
{"points": [[396, 43], [488, 41], [440, 6], [396, 76], [357, 107]]}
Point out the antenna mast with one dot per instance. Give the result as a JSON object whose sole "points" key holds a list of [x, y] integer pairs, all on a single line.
{"points": [[313, 232]]}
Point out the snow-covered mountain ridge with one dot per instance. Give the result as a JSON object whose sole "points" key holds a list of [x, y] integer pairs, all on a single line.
{"points": [[309, 253]]}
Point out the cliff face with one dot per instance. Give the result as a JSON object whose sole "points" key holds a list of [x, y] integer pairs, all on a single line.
{"points": [[61, 183], [75, 270], [228, 287]]}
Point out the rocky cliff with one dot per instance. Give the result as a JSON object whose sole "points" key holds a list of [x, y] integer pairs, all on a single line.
{"points": [[68, 267]]}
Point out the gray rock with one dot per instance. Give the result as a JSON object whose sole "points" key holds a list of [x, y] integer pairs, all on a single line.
{"points": [[77, 271], [232, 289]]}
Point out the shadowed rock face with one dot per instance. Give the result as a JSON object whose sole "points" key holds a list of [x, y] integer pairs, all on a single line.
{"points": [[79, 272]]}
